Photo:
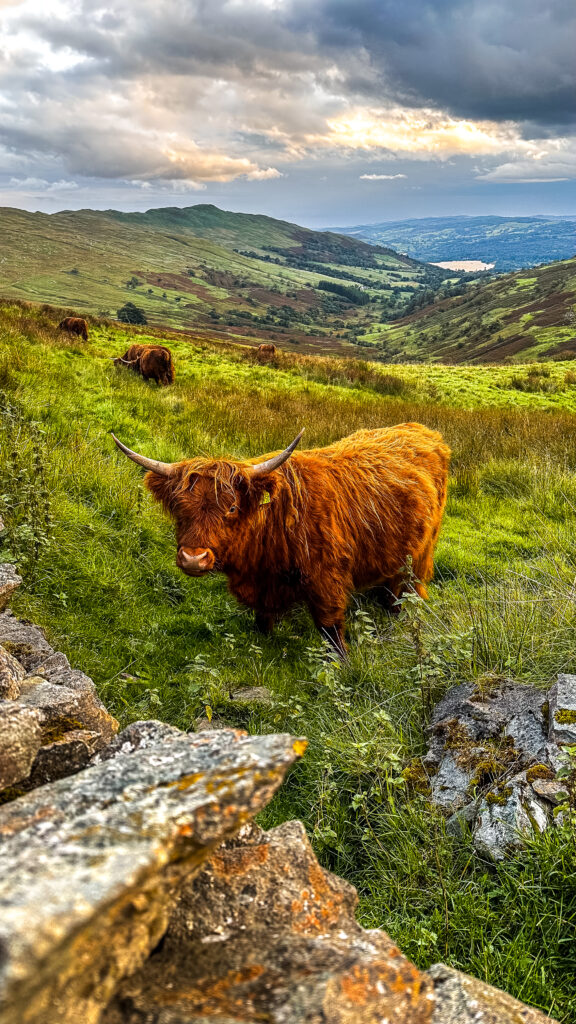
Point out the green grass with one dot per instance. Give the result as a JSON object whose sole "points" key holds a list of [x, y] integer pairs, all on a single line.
{"points": [[98, 559]]}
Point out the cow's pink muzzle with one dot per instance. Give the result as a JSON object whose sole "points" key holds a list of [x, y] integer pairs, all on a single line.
{"points": [[195, 561]]}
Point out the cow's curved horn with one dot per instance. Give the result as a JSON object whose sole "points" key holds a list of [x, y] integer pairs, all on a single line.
{"points": [[276, 461], [163, 468]]}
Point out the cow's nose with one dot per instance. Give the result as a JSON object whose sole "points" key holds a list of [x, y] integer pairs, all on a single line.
{"points": [[195, 562]]}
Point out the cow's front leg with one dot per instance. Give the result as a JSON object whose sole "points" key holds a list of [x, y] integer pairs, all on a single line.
{"points": [[264, 622], [329, 620], [334, 637]]}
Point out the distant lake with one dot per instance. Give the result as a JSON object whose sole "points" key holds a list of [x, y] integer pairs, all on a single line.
{"points": [[468, 265]]}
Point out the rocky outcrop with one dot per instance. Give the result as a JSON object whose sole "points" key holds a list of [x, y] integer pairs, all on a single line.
{"points": [[263, 933], [90, 865], [494, 752], [51, 718]]}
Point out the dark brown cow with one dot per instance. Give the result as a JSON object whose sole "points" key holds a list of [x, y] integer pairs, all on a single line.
{"points": [[74, 325], [152, 362], [312, 527], [266, 351]]}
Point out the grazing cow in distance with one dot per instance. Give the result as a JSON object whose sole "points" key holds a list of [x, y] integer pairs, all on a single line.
{"points": [[266, 351], [152, 362], [74, 325], [312, 527]]}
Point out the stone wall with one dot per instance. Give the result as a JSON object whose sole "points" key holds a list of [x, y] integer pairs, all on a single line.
{"points": [[135, 889]]}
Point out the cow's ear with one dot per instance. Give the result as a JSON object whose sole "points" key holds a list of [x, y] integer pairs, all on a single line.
{"points": [[162, 487]]}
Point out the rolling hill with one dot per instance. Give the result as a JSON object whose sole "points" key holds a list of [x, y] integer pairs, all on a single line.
{"points": [[508, 243], [513, 318], [245, 275]]}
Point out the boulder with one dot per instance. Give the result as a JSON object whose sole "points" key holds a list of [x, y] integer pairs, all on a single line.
{"points": [[491, 762], [263, 933], [460, 999], [20, 741], [90, 865], [9, 582], [562, 710], [11, 675]]}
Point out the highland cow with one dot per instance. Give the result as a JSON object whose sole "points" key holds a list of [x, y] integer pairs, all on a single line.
{"points": [[74, 325], [266, 351], [311, 527], [152, 362]]}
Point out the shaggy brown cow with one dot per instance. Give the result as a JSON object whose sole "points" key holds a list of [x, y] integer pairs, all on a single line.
{"points": [[313, 527], [152, 362], [266, 350], [74, 325]]}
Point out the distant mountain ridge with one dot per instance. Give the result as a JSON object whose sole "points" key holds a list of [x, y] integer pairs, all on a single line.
{"points": [[200, 267], [511, 243]]}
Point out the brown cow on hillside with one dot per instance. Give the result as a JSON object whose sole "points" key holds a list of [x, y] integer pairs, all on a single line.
{"points": [[152, 362], [312, 527], [74, 325], [267, 351]]}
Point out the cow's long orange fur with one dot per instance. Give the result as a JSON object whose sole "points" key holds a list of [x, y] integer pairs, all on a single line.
{"points": [[340, 519]]}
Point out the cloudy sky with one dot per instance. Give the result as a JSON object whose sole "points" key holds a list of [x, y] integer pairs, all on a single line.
{"points": [[320, 111]]}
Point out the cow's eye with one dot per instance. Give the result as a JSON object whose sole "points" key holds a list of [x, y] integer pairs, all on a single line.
{"points": [[232, 509]]}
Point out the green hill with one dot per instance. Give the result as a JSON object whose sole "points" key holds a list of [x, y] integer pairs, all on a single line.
{"points": [[98, 560], [510, 243], [244, 275], [515, 318]]}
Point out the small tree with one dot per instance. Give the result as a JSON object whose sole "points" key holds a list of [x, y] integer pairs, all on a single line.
{"points": [[131, 314]]}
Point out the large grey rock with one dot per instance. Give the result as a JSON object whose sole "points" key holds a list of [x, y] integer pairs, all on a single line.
{"points": [[264, 934], [90, 865], [562, 710], [483, 737], [20, 741], [11, 675], [9, 582], [460, 999]]}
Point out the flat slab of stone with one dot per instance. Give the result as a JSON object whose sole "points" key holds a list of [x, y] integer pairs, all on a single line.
{"points": [[562, 710], [460, 999], [9, 582], [90, 865], [263, 933]]}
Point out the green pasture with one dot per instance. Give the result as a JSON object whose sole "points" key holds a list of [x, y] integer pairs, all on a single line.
{"points": [[98, 559]]}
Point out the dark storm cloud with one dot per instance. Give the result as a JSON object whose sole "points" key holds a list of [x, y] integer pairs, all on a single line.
{"points": [[505, 60]]}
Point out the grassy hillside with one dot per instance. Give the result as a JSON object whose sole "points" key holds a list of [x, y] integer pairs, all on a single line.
{"points": [[183, 268], [515, 318], [98, 559], [509, 243]]}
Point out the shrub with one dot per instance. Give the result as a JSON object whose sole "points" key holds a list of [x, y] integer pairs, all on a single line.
{"points": [[131, 314]]}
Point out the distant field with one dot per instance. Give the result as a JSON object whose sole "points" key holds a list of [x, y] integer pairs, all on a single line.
{"points": [[98, 557]]}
